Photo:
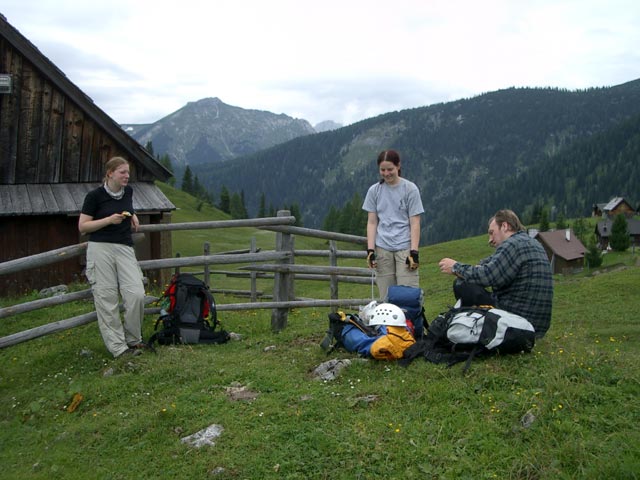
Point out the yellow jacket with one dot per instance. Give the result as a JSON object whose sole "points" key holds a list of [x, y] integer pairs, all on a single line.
{"points": [[392, 345]]}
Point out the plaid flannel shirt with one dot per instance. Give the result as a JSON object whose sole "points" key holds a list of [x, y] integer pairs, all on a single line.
{"points": [[520, 275]]}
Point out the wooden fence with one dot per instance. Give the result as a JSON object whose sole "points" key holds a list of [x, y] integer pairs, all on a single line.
{"points": [[278, 264]]}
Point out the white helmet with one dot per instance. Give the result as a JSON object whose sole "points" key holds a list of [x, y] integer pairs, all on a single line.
{"points": [[388, 314]]}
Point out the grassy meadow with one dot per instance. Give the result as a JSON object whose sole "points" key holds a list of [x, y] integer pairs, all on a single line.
{"points": [[568, 410]]}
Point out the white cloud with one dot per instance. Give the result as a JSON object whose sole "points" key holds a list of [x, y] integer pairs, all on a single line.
{"points": [[337, 60]]}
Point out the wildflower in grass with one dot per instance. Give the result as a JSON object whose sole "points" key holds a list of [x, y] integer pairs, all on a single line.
{"points": [[612, 339]]}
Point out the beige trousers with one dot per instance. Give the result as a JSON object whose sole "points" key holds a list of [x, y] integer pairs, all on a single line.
{"points": [[392, 270], [112, 268]]}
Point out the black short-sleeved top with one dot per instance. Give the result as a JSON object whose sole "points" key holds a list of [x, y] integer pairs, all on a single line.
{"points": [[99, 204]]}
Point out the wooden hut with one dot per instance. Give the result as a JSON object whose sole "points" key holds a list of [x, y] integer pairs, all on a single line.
{"points": [[564, 249], [54, 142], [603, 232], [612, 208]]}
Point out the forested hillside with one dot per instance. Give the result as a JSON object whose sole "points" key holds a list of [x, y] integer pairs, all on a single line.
{"points": [[510, 148]]}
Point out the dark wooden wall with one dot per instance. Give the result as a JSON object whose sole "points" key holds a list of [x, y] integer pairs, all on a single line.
{"points": [[29, 235], [45, 137]]}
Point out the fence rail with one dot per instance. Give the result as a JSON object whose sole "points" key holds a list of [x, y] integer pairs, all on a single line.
{"points": [[282, 269]]}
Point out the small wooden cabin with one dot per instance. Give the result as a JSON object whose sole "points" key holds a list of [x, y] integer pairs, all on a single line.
{"points": [[603, 232], [612, 208], [564, 249], [54, 142]]}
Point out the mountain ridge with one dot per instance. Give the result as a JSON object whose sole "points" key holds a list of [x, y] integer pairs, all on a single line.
{"points": [[211, 131], [456, 152]]}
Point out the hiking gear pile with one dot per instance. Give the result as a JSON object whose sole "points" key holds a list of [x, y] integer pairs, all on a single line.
{"points": [[381, 341], [188, 314], [398, 330]]}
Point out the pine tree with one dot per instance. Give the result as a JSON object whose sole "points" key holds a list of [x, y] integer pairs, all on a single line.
{"points": [[593, 256], [581, 229], [225, 200], [544, 220], [330, 223], [165, 161], [187, 181], [262, 209], [295, 211], [561, 223], [243, 205], [236, 208], [620, 239]]}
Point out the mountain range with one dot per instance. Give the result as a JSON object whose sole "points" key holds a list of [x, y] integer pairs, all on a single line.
{"points": [[517, 148], [210, 131]]}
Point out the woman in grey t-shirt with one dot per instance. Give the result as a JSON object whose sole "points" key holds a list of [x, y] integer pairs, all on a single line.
{"points": [[394, 207]]}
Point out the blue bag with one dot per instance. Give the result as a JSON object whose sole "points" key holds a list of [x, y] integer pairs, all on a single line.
{"points": [[411, 301], [356, 340]]}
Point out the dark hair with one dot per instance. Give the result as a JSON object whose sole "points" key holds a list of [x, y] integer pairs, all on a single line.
{"points": [[390, 156], [508, 217]]}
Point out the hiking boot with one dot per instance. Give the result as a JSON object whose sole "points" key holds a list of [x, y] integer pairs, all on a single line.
{"points": [[336, 323], [142, 346], [130, 352]]}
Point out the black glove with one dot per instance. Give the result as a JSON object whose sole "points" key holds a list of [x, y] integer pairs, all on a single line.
{"points": [[413, 260], [371, 258]]}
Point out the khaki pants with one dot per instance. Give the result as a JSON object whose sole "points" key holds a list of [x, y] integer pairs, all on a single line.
{"points": [[392, 270], [113, 268]]}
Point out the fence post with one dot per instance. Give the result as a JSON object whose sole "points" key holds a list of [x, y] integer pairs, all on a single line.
{"points": [[333, 262], [177, 269], [282, 282], [253, 275], [207, 251]]}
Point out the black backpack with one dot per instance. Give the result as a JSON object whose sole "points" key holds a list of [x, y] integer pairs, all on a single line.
{"points": [[189, 314], [461, 334]]}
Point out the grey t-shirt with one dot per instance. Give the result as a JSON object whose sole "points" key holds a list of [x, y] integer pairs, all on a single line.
{"points": [[394, 205]]}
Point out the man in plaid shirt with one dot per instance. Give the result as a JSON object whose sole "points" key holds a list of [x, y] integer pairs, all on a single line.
{"points": [[519, 274]]}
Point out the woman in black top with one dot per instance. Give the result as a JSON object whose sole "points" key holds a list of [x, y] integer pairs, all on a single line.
{"points": [[108, 217]]}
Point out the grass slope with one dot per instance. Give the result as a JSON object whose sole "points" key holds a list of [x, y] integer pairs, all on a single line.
{"points": [[580, 388]]}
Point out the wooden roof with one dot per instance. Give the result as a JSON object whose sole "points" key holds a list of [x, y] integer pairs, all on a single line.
{"points": [[67, 198], [603, 228], [562, 243]]}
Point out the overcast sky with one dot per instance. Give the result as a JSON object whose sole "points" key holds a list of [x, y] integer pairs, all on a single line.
{"points": [[340, 60]]}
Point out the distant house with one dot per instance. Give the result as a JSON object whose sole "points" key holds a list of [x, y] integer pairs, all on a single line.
{"points": [[54, 142], [564, 249], [603, 231], [612, 208]]}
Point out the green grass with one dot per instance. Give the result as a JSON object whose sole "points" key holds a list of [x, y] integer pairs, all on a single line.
{"points": [[581, 383]]}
